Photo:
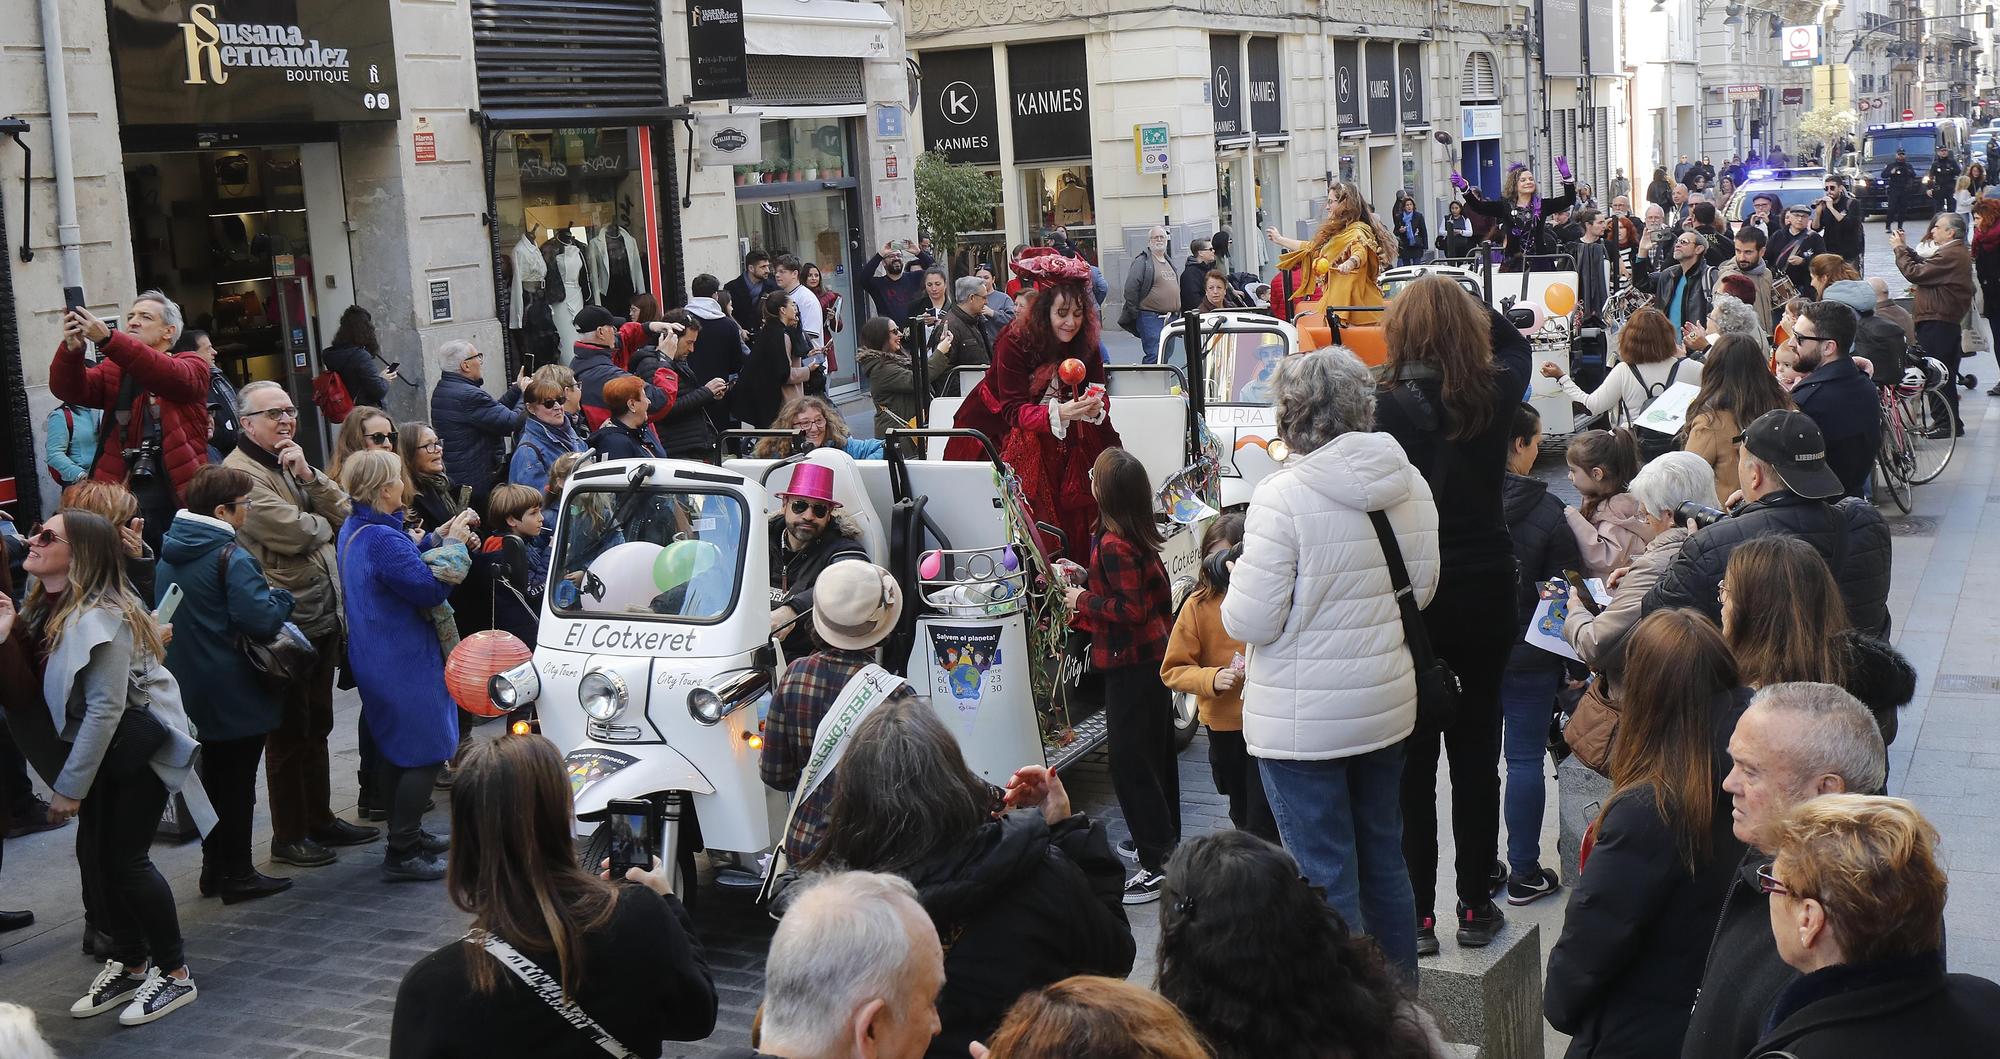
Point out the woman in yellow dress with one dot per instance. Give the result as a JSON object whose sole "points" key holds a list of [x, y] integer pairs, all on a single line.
{"points": [[1341, 264]]}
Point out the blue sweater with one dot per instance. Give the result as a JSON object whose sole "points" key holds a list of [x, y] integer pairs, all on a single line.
{"points": [[393, 648]]}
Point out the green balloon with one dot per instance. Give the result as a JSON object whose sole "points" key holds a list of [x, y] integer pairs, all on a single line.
{"points": [[683, 561]]}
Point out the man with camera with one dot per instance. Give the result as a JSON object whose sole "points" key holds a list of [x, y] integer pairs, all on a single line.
{"points": [[155, 431], [295, 511], [1787, 490]]}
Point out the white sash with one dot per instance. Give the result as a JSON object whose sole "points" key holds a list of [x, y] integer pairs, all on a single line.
{"points": [[867, 689], [549, 991]]}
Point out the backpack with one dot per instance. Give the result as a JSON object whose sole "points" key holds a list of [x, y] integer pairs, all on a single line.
{"points": [[330, 394], [68, 415], [1651, 442]]}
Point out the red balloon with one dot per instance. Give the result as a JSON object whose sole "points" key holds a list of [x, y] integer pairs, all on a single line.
{"points": [[1071, 371], [475, 660]]}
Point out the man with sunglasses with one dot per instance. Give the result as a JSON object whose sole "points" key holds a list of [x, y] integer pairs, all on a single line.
{"points": [[1683, 289], [295, 511], [1836, 217], [1794, 743], [807, 537]]}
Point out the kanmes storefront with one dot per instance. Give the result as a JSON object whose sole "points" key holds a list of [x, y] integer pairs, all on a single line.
{"points": [[229, 113]]}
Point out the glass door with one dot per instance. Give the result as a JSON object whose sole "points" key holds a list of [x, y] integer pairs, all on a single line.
{"points": [[815, 229]]}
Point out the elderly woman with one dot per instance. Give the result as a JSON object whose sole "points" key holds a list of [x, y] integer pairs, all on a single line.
{"points": [[823, 427], [395, 655], [1663, 485], [627, 435], [1331, 693], [549, 433], [1857, 908]]}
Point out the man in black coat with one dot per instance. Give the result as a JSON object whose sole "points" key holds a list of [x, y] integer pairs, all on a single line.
{"points": [[719, 350], [1837, 217], [1787, 491], [1944, 180], [1795, 742], [1840, 398], [473, 427], [1897, 177], [1792, 248], [1194, 273], [807, 536], [747, 289]]}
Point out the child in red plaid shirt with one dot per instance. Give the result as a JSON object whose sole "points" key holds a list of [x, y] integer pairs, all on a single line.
{"points": [[1125, 605]]}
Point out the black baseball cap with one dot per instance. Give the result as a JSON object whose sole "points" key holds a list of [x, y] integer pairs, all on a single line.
{"points": [[593, 317], [1794, 447]]}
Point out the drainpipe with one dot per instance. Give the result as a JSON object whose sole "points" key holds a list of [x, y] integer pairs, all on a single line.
{"points": [[69, 236], [1326, 118]]}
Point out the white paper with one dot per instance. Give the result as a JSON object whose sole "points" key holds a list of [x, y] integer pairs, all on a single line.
{"points": [[1545, 629], [1670, 409]]}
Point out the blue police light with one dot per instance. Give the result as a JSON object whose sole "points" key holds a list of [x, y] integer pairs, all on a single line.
{"points": [[1763, 174]]}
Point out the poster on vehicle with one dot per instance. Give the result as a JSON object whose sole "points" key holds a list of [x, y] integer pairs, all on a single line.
{"points": [[968, 669]]}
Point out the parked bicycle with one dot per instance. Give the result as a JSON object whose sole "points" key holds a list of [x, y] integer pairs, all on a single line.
{"points": [[1919, 431]]}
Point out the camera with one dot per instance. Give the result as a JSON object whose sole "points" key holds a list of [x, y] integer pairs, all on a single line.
{"points": [[1700, 514], [143, 461]]}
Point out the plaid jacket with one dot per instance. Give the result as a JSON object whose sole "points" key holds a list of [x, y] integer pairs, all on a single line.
{"points": [[803, 699], [1126, 605]]}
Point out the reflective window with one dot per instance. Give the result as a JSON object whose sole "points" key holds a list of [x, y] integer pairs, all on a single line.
{"points": [[649, 553]]}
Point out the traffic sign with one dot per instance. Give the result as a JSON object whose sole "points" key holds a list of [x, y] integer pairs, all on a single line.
{"points": [[1909, 115], [1940, 109], [1802, 45], [1153, 146]]}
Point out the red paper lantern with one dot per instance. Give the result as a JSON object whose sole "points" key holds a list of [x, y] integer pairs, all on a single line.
{"points": [[475, 661]]}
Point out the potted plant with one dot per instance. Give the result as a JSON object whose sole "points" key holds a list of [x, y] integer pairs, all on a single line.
{"points": [[742, 175], [811, 171], [830, 168]]}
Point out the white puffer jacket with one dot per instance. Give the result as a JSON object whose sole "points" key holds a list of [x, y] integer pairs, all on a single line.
{"points": [[1329, 674]]}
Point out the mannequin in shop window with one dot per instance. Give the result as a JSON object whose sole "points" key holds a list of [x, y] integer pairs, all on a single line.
{"points": [[568, 286], [616, 269], [1072, 204]]}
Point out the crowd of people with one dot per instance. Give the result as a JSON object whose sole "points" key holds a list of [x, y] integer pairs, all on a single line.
{"points": [[1745, 886]]}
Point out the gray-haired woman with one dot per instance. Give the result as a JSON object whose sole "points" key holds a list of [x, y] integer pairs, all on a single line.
{"points": [[1331, 696]]}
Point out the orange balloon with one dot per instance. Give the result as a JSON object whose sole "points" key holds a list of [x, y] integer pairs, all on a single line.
{"points": [[1560, 298], [474, 661]]}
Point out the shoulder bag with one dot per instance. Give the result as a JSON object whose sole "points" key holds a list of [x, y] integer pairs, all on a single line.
{"points": [[1651, 442], [549, 991], [1437, 686], [279, 662]]}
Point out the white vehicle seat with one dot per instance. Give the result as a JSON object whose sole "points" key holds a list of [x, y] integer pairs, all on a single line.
{"points": [[627, 573], [1145, 380], [1153, 428], [944, 412], [964, 501], [849, 487]]}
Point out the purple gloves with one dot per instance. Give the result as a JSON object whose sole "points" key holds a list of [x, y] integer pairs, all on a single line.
{"points": [[1458, 181], [1562, 167]]}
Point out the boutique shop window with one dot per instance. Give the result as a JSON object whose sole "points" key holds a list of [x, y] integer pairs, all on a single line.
{"points": [[570, 206], [1061, 200]]}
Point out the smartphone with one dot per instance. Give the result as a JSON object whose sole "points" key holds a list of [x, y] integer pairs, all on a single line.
{"points": [[732, 379], [170, 603], [1583, 592], [72, 298], [635, 835]]}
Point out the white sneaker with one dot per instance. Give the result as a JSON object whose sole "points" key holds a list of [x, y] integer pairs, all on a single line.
{"points": [[113, 986], [1144, 887], [161, 994]]}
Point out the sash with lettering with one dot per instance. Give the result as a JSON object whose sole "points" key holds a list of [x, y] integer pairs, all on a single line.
{"points": [[866, 690]]}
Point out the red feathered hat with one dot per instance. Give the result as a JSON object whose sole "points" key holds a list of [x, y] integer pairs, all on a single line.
{"points": [[1043, 264]]}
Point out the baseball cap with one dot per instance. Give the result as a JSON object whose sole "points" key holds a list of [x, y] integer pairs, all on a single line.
{"points": [[1853, 293], [1794, 447], [592, 317]]}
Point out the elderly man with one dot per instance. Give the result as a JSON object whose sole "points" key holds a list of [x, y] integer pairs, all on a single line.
{"points": [[1944, 288], [806, 537], [1787, 489], [1794, 743], [295, 511], [155, 429], [1836, 393], [1151, 294], [1682, 290], [1791, 249], [897, 291], [854, 972], [1748, 262], [472, 425], [970, 346]]}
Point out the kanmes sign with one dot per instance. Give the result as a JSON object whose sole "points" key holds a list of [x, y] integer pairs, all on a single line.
{"points": [[225, 62]]}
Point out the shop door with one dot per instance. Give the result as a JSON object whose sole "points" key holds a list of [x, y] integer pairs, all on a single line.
{"points": [[815, 228]]}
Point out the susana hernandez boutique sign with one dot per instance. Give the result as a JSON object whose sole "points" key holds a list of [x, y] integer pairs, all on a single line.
{"points": [[228, 62]]}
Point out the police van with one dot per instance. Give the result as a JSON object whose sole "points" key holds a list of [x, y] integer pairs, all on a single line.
{"points": [[1919, 141]]}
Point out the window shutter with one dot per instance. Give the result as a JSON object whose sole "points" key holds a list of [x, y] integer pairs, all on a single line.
{"points": [[1477, 81], [570, 60]]}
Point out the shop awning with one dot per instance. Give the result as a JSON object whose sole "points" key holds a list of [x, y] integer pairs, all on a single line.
{"points": [[848, 28]]}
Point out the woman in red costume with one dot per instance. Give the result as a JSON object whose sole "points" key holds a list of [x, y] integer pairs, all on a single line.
{"points": [[1048, 431]]}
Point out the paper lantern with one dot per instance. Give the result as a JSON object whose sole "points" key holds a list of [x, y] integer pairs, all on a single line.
{"points": [[1071, 371], [475, 661], [1560, 298]]}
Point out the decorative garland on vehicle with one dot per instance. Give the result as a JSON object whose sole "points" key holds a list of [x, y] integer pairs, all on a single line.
{"points": [[1047, 613]]}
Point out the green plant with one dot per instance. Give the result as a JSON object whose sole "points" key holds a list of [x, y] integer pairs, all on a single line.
{"points": [[953, 199]]}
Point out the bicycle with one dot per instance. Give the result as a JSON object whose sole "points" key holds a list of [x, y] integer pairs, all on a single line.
{"points": [[1919, 431]]}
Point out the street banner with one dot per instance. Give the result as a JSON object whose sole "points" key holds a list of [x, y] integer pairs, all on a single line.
{"points": [[961, 112], [716, 57], [1225, 75]]}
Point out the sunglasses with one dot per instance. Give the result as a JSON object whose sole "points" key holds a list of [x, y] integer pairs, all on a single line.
{"points": [[551, 403], [41, 535], [382, 439], [800, 507]]}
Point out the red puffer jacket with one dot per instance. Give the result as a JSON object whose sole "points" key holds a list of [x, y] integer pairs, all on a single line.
{"points": [[179, 380]]}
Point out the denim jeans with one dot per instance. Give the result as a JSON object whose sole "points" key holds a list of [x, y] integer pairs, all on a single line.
{"points": [[1527, 700], [1342, 819], [1150, 326]]}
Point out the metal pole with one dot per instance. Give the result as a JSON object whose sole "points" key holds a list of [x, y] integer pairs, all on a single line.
{"points": [[69, 236]]}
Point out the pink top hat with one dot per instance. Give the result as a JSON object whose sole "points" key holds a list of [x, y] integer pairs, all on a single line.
{"points": [[811, 481]]}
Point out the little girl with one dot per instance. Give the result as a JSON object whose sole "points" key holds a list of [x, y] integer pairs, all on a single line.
{"points": [[1610, 529], [1206, 662], [1124, 604]]}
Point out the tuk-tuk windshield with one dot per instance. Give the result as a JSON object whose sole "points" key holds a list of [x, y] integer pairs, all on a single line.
{"points": [[1238, 364], [649, 553]]}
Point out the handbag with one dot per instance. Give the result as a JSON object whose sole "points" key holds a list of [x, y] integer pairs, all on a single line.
{"points": [[1593, 727], [547, 989], [280, 661], [1437, 686]]}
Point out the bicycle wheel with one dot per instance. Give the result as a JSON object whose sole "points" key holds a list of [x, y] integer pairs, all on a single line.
{"points": [[1922, 413], [1890, 478]]}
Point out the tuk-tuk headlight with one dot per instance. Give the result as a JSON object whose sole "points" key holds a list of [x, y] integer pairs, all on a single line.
{"points": [[602, 695], [516, 687], [1278, 450], [705, 705], [728, 692]]}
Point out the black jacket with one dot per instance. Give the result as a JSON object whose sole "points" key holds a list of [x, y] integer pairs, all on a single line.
{"points": [[1846, 236], [644, 979], [793, 575], [718, 354], [687, 432], [970, 347], [1844, 403], [1888, 1007], [1944, 175], [474, 429], [1863, 573], [743, 302], [1412, 233], [1898, 173], [616, 441], [1695, 301], [593, 368], [1023, 904], [357, 368], [1544, 547], [1742, 974], [1783, 245], [1194, 283], [760, 389], [1627, 966]]}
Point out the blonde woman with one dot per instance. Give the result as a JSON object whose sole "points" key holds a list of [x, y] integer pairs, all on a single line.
{"points": [[823, 427], [1341, 263]]}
